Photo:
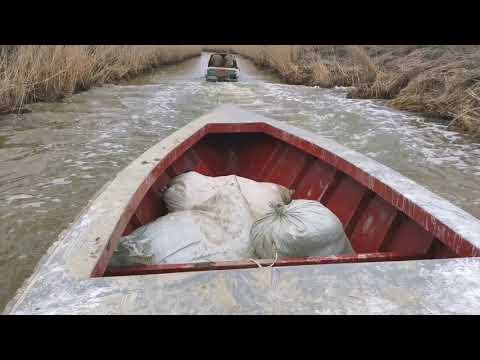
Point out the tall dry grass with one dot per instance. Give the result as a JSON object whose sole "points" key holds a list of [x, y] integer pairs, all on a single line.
{"points": [[438, 80], [468, 116], [32, 73]]}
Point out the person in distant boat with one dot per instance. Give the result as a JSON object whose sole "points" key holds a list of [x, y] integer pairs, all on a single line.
{"points": [[216, 61]]}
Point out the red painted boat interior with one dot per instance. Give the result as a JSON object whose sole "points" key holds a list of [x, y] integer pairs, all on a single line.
{"points": [[378, 230]]}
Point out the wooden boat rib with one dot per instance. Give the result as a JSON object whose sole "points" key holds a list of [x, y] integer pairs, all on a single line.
{"points": [[391, 221]]}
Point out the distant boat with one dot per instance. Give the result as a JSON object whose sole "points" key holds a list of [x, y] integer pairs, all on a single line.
{"points": [[389, 219], [222, 67]]}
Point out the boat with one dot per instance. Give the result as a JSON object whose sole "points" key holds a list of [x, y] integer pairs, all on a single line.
{"points": [[221, 71], [415, 251]]}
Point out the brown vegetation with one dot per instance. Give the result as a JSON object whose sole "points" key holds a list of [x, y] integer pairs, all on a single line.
{"points": [[45, 73], [438, 80], [442, 81]]}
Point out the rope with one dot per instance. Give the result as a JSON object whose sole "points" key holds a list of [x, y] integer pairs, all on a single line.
{"points": [[271, 265]]}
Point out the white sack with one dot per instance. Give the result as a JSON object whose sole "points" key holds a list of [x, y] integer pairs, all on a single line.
{"points": [[299, 229], [191, 189], [261, 196], [217, 230], [228, 61], [217, 60]]}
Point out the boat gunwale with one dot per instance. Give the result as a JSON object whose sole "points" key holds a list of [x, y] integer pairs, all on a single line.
{"points": [[417, 214], [393, 196], [248, 264]]}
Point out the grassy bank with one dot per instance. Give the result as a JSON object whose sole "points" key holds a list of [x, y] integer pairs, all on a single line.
{"points": [[438, 80], [46, 73]]}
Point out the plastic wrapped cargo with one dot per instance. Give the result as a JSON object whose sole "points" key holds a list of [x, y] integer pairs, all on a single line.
{"points": [[191, 189], [261, 196], [229, 61], [215, 230], [300, 229], [217, 60]]}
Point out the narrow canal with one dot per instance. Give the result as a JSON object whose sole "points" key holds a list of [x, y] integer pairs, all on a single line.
{"points": [[53, 160]]}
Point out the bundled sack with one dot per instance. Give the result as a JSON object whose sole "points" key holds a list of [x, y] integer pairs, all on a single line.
{"points": [[229, 61], [300, 229], [191, 189], [216, 230], [217, 60]]}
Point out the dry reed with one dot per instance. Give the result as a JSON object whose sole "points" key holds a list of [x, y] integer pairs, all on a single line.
{"points": [[31, 73], [438, 80]]}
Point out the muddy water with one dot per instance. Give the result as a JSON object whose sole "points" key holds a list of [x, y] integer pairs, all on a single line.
{"points": [[54, 159]]}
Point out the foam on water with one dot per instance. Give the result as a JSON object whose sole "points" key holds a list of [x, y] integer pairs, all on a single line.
{"points": [[18, 197]]}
